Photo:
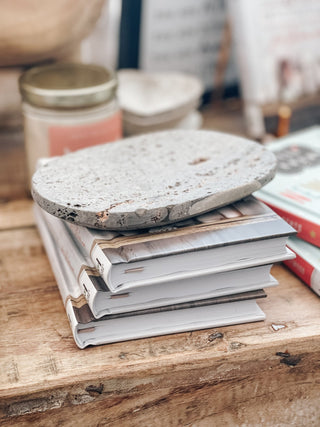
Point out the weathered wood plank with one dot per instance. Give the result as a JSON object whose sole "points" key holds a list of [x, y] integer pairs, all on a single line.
{"points": [[16, 214], [13, 171], [265, 392]]}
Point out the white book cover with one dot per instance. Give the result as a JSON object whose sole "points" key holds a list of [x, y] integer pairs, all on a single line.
{"points": [[297, 180], [103, 302], [141, 324], [244, 234], [306, 265], [110, 330], [295, 189]]}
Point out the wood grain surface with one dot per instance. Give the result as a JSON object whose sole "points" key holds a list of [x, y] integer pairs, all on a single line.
{"points": [[259, 374]]}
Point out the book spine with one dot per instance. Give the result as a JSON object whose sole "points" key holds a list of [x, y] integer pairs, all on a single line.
{"points": [[73, 324], [82, 236], [307, 272], [53, 257], [306, 230], [91, 249], [65, 244], [72, 257], [89, 291], [103, 265]]}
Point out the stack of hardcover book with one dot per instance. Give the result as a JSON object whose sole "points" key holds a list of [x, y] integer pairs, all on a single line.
{"points": [[201, 273], [294, 194]]}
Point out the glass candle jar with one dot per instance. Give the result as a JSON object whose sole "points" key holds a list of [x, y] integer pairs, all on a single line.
{"points": [[67, 107]]}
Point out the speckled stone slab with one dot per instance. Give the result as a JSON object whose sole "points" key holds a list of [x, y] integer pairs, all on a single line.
{"points": [[152, 179]]}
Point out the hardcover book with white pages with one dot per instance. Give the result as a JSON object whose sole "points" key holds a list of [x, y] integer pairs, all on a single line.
{"points": [[294, 193], [306, 265], [102, 301], [184, 317], [244, 234]]}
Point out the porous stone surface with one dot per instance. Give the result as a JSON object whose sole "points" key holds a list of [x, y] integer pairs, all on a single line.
{"points": [[153, 179]]}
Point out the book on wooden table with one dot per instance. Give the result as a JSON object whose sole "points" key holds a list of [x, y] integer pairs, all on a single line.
{"points": [[306, 264], [294, 193], [193, 315], [102, 301], [244, 234]]}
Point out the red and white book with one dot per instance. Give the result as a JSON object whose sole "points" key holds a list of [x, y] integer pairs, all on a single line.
{"points": [[294, 193], [306, 265]]}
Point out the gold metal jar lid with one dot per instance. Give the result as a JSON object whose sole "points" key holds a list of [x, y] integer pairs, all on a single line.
{"points": [[67, 85]]}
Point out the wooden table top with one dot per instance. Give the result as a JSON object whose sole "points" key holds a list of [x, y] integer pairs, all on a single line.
{"points": [[264, 373]]}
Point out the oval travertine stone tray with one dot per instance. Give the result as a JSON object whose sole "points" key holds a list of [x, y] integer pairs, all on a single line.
{"points": [[152, 179]]}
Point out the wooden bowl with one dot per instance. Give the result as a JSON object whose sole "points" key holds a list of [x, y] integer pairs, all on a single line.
{"points": [[32, 31]]}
